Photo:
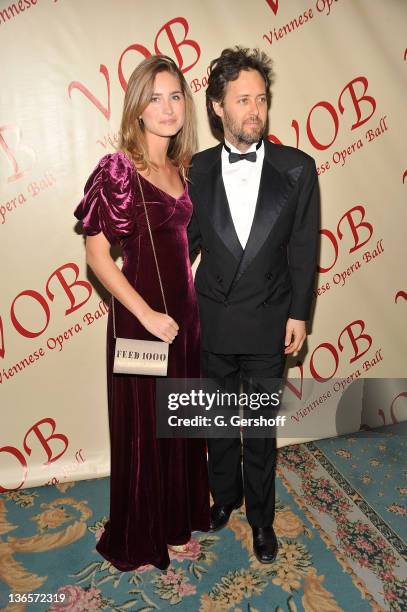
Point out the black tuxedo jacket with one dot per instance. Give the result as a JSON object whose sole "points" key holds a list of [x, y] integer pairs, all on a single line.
{"points": [[246, 295]]}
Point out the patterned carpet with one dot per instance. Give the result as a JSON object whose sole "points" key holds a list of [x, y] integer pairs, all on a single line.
{"points": [[340, 523]]}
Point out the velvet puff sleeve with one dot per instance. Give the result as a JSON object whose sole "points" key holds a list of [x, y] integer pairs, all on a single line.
{"points": [[107, 204]]}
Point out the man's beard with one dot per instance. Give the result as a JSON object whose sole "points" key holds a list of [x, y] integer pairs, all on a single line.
{"points": [[241, 135]]}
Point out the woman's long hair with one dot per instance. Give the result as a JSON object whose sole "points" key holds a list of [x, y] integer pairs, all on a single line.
{"points": [[138, 95]]}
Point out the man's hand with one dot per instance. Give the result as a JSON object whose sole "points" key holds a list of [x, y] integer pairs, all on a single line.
{"points": [[295, 335]]}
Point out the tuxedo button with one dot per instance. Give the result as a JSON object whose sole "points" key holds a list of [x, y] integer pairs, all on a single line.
{"points": [[269, 275], [219, 279], [265, 303]]}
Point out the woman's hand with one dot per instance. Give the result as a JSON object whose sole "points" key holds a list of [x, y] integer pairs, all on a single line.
{"points": [[160, 324]]}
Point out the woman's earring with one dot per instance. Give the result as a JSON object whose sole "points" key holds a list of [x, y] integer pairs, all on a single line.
{"points": [[140, 120]]}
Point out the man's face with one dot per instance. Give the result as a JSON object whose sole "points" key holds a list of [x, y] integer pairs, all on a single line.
{"points": [[244, 109]]}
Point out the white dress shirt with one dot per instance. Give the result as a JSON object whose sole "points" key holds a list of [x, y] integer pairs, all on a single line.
{"points": [[242, 180]]}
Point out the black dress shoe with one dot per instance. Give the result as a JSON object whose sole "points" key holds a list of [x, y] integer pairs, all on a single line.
{"points": [[221, 514], [265, 545]]}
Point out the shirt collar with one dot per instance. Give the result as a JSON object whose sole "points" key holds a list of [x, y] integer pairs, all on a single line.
{"points": [[251, 148]]}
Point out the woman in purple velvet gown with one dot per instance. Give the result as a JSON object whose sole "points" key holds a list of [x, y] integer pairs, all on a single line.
{"points": [[158, 489]]}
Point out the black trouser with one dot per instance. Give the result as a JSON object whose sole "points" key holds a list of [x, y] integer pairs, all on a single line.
{"points": [[259, 454]]}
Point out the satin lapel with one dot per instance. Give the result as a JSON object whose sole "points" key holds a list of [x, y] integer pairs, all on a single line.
{"points": [[219, 212], [274, 191]]}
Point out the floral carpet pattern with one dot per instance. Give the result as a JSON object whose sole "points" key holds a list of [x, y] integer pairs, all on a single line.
{"points": [[340, 523]]}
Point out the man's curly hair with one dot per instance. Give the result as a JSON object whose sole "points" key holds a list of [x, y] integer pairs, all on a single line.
{"points": [[227, 68]]}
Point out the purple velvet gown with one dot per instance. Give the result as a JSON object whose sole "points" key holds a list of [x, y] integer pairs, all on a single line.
{"points": [[159, 487]]}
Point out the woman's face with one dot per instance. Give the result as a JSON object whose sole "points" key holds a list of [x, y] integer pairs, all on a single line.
{"points": [[165, 114]]}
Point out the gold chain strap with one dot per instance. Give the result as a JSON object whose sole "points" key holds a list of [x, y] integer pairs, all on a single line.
{"points": [[155, 258]]}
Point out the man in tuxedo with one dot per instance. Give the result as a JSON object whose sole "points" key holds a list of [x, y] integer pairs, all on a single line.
{"points": [[255, 223]]}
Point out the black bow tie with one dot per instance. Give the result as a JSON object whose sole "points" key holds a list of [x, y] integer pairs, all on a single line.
{"points": [[235, 157]]}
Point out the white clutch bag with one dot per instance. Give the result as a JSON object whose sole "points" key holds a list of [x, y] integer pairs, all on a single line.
{"points": [[140, 357]]}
